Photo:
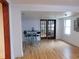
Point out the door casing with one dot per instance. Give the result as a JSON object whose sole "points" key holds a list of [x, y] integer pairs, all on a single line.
{"points": [[5, 7]]}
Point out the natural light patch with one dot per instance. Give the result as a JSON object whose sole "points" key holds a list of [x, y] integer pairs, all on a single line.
{"points": [[67, 27]]}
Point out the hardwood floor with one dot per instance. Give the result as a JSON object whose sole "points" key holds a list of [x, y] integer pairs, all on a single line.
{"points": [[49, 49]]}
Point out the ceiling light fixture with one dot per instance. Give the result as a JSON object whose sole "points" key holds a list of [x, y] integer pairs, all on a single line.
{"points": [[68, 14]]}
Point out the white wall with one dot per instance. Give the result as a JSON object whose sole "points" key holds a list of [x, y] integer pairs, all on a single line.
{"points": [[73, 38], [28, 23], [58, 29], [11, 34], [16, 32], [2, 49]]}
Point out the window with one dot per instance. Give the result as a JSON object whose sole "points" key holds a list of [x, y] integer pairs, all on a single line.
{"points": [[67, 27]]}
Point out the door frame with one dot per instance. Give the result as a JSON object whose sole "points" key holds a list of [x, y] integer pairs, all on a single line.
{"points": [[47, 27], [5, 7]]}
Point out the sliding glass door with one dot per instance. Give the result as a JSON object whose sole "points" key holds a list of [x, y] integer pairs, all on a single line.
{"points": [[48, 28]]}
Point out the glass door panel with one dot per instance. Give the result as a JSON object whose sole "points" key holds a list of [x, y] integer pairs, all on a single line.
{"points": [[43, 28], [50, 28]]}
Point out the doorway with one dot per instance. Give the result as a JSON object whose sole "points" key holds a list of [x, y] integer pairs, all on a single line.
{"points": [[48, 28]]}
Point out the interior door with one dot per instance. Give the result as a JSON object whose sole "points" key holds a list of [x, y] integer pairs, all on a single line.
{"points": [[48, 28], [43, 28]]}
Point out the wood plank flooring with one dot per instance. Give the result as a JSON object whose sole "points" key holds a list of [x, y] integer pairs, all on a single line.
{"points": [[49, 49]]}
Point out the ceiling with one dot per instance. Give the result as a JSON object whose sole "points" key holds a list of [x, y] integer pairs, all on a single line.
{"points": [[46, 14], [48, 2]]}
